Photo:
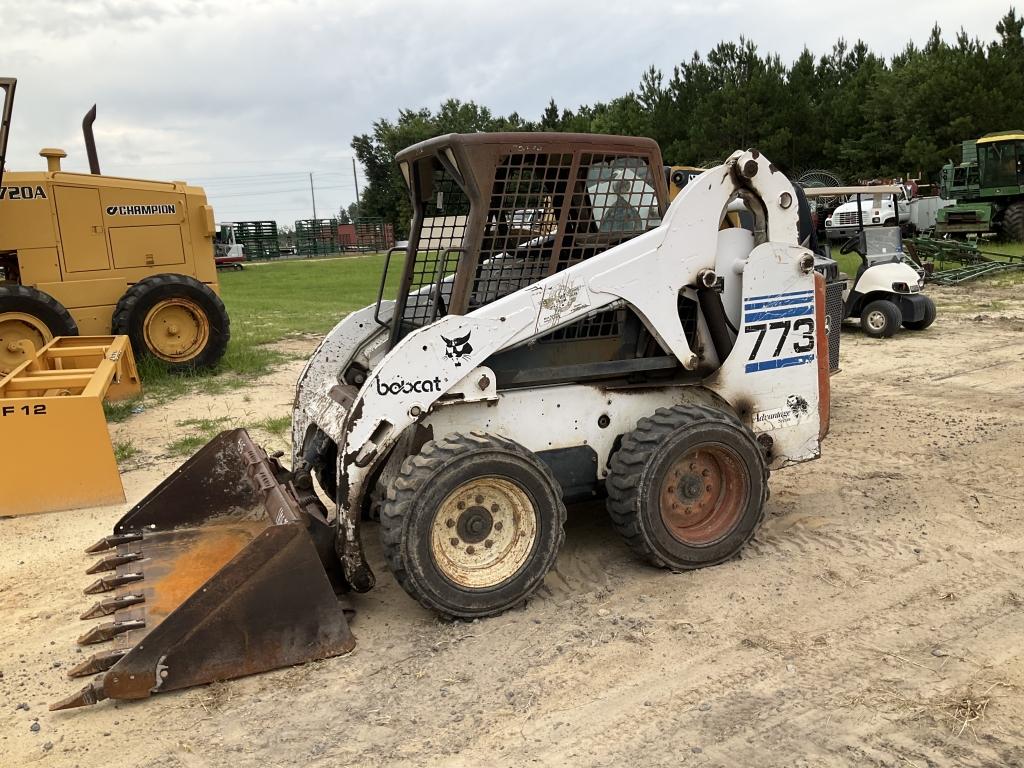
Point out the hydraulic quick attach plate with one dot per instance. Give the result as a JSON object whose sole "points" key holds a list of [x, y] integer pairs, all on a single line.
{"points": [[224, 570]]}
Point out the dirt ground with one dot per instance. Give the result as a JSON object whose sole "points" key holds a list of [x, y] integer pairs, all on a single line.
{"points": [[877, 619]]}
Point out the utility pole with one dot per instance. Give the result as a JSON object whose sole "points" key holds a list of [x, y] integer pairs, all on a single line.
{"points": [[316, 224], [312, 194], [356, 180]]}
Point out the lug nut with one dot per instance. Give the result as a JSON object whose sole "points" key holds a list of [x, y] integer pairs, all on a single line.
{"points": [[470, 550], [488, 543], [454, 542], [450, 523], [494, 508], [479, 499], [497, 526]]}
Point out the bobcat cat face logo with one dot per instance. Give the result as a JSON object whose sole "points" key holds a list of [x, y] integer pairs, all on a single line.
{"points": [[456, 349], [796, 404]]}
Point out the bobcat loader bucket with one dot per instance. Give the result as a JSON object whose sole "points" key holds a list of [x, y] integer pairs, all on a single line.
{"points": [[224, 570]]}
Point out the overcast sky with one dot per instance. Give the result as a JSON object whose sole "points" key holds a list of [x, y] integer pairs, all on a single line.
{"points": [[248, 98]]}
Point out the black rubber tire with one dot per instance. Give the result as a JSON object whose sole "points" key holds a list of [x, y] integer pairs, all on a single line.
{"points": [[29, 301], [928, 319], [130, 314], [1013, 222], [647, 451], [414, 496], [892, 314]]}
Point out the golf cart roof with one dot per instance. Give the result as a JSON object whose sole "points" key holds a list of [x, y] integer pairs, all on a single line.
{"points": [[877, 189]]}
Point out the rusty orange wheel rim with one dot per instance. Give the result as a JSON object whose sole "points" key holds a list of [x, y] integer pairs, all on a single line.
{"points": [[703, 495]]}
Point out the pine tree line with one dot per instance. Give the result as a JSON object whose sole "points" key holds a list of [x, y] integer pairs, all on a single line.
{"points": [[850, 110]]}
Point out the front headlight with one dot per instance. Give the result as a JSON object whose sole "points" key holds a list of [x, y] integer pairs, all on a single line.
{"points": [[828, 222], [900, 288]]}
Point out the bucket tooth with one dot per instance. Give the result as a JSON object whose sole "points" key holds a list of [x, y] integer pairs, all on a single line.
{"points": [[111, 562], [103, 632], [111, 604], [110, 542], [98, 662], [91, 694], [110, 583]]}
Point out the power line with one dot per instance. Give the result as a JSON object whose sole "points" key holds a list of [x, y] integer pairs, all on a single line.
{"points": [[276, 191]]}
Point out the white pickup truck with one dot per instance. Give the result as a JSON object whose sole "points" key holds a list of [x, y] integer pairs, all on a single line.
{"points": [[917, 214], [876, 210]]}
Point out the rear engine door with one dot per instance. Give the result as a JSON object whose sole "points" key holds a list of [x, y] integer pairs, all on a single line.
{"points": [[81, 229]]}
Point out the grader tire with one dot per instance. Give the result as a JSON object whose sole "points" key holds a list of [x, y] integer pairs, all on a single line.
{"points": [[688, 487], [176, 319], [1013, 222], [29, 315], [472, 524]]}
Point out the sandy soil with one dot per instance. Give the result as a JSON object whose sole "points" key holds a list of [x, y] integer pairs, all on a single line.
{"points": [[876, 619]]}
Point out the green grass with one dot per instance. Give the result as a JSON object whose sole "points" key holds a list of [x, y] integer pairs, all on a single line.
{"points": [[124, 450], [268, 303], [121, 410], [278, 426], [186, 446], [271, 301]]}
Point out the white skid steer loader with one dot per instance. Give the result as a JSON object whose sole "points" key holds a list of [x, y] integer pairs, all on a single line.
{"points": [[614, 345]]}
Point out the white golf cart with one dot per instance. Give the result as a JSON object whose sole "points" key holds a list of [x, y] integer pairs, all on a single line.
{"points": [[885, 293]]}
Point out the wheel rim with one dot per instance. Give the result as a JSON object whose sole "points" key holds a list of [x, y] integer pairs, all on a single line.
{"points": [[703, 495], [876, 320], [16, 327], [483, 533], [176, 330]]}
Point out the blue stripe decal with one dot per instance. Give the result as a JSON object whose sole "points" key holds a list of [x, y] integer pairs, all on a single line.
{"points": [[775, 303], [781, 295], [775, 314], [782, 362]]}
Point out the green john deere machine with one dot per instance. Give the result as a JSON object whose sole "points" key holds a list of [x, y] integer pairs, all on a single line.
{"points": [[988, 186]]}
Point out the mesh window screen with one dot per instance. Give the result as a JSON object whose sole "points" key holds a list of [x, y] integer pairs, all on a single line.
{"points": [[521, 225], [548, 212], [443, 232]]}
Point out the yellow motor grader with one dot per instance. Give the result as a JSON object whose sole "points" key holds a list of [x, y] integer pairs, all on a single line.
{"points": [[630, 349], [93, 254]]}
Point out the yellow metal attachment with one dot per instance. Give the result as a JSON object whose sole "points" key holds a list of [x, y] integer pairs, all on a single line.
{"points": [[55, 449]]}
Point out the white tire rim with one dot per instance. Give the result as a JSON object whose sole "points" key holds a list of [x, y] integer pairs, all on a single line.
{"points": [[483, 533], [876, 320]]}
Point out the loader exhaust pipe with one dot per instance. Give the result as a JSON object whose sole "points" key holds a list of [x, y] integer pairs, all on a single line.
{"points": [[90, 141]]}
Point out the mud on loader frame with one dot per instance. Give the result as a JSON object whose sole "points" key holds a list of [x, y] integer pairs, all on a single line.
{"points": [[555, 317]]}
